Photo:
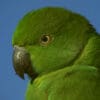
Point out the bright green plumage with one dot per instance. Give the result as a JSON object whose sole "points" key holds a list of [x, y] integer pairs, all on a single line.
{"points": [[68, 62]]}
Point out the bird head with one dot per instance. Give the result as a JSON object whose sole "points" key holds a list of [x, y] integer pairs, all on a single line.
{"points": [[49, 39]]}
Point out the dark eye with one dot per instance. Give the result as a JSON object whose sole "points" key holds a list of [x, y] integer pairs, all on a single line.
{"points": [[45, 39]]}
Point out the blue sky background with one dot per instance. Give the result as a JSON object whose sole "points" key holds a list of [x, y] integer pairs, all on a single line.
{"points": [[11, 86]]}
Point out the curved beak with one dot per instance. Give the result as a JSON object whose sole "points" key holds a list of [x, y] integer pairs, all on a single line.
{"points": [[22, 62]]}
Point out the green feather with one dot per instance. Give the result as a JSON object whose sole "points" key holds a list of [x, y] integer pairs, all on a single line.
{"points": [[68, 66]]}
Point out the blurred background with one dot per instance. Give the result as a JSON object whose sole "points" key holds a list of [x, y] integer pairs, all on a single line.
{"points": [[11, 11]]}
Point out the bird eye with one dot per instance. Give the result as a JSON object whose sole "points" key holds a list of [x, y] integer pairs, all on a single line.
{"points": [[45, 39]]}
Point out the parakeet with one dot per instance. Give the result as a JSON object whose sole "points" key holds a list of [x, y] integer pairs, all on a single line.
{"points": [[60, 52]]}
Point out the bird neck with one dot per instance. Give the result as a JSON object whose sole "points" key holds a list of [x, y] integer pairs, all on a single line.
{"points": [[91, 53]]}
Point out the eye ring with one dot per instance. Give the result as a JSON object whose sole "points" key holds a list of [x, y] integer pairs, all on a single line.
{"points": [[45, 39]]}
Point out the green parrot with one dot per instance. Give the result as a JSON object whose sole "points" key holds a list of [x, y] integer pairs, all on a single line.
{"points": [[60, 52]]}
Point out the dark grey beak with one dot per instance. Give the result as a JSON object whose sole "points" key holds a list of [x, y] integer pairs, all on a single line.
{"points": [[22, 63]]}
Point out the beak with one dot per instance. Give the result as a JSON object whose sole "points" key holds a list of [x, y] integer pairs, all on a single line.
{"points": [[22, 62]]}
